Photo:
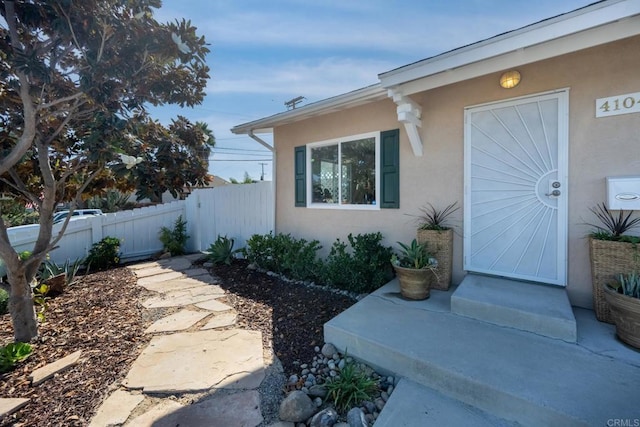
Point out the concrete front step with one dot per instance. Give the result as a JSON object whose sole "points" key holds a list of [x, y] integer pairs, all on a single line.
{"points": [[511, 374], [541, 309], [412, 405]]}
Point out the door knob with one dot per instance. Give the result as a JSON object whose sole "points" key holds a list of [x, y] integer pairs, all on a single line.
{"points": [[554, 193]]}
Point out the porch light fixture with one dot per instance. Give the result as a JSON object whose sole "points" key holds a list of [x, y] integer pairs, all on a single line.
{"points": [[510, 79]]}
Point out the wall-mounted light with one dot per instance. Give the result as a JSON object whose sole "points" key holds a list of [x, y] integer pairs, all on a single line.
{"points": [[510, 79]]}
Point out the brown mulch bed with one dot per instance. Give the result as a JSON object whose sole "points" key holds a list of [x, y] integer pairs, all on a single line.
{"points": [[98, 315], [101, 316], [289, 315]]}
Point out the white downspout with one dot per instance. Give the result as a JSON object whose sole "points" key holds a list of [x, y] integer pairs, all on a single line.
{"points": [[273, 171]]}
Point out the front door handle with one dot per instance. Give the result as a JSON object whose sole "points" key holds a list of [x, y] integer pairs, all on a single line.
{"points": [[554, 193]]}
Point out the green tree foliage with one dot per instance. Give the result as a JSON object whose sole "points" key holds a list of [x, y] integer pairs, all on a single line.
{"points": [[173, 158], [75, 77]]}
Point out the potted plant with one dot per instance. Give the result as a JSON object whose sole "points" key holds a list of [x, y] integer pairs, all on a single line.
{"points": [[623, 297], [415, 267], [612, 251], [434, 230]]}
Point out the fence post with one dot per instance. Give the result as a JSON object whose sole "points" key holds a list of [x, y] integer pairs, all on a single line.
{"points": [[96, 228]]}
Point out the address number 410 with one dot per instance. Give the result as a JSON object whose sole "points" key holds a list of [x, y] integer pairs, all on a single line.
{"points": [[621, 104]]}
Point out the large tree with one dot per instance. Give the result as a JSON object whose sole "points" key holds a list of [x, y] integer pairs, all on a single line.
{"points": [[74, 77], [171, 159]]}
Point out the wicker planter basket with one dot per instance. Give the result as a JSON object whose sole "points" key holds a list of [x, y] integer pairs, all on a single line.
{"points": [[608, 260], [440, 244], [415, 283], [625, 311]]}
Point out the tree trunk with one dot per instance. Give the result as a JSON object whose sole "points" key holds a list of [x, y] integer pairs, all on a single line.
{"points": [[23, 315]]}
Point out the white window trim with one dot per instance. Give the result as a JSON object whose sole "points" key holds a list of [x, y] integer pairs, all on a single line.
{"points": [[337, 141]]}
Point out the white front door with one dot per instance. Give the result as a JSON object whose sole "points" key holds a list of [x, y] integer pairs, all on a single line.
{"points": [[515, 207]]}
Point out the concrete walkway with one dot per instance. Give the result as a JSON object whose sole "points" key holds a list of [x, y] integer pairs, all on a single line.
{"points": [[198, 370]]}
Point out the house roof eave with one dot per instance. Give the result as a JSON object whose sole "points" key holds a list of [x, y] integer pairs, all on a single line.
{"points": [[336, 103], [513, 43]]}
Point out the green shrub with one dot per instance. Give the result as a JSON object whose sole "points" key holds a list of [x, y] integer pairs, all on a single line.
{"points": [[221, 251], [363, 268], [175, 240], [104, 254], [12, 354], [351, 387], [4, 302], [284, 254]]}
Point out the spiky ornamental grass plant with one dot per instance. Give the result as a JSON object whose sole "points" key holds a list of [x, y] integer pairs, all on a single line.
{"points": [[613, 227], [436, 219], [351, 387]]}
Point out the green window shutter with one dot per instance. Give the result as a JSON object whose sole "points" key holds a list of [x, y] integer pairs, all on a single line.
{"points": [[300, 167], [390, 165]]}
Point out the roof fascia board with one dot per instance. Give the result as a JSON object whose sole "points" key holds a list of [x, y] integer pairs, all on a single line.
{"points": [[542, 32], [336, 103], [575, 42]]}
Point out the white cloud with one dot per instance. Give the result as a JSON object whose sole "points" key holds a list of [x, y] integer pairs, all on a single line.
{"points": [[317, 79]]}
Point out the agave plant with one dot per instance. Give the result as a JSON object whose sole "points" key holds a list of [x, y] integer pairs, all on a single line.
{"points": [[415, 255], [612, 226], [628, 284], [221, 251]]}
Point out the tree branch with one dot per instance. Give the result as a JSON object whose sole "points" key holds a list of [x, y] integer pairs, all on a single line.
{"points": [[73, 97], [81, 190], [28, 134]]}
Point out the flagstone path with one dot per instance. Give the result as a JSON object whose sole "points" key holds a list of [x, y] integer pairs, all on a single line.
{"points": [[197, 369]]}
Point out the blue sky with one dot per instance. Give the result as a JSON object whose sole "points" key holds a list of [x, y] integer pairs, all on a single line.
{"points": [[264, 53]]}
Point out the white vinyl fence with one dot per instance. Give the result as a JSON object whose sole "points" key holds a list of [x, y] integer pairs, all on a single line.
{"points": [[237, 211]]}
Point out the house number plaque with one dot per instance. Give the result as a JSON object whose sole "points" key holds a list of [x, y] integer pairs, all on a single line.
{"points": [[615, 105]]}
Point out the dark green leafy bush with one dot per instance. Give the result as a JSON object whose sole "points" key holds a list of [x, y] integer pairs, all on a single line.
{"points": [[284, 254], [221, 251], [4, 301], [175, 240], [104, 254], [363, 268]]}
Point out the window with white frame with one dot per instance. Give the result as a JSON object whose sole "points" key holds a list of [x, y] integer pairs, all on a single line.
{"points": [[345, 172]]}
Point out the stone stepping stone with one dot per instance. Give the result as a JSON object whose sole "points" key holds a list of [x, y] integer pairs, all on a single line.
{"points": [[155, 415], [154, 271], [178, 263], [11, 405], [238, 409], [179, 321], [196, 256], [221, 320], [197, 273], [143, 265], [214, 305], [116, 409], [197, 361], [171, 275], [184, 297], [47, 371], [174, 285]]}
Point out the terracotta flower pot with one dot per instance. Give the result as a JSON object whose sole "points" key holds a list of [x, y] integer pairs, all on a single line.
{"points": [[414, 283], [625, 311], [56, 283]]}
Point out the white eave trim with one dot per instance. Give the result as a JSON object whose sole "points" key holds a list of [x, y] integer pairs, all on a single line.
{"points": [[610, 21], [336, 103]]}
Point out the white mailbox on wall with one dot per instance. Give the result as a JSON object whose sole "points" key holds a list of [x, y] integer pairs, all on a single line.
{"points": [[623, 192]]}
